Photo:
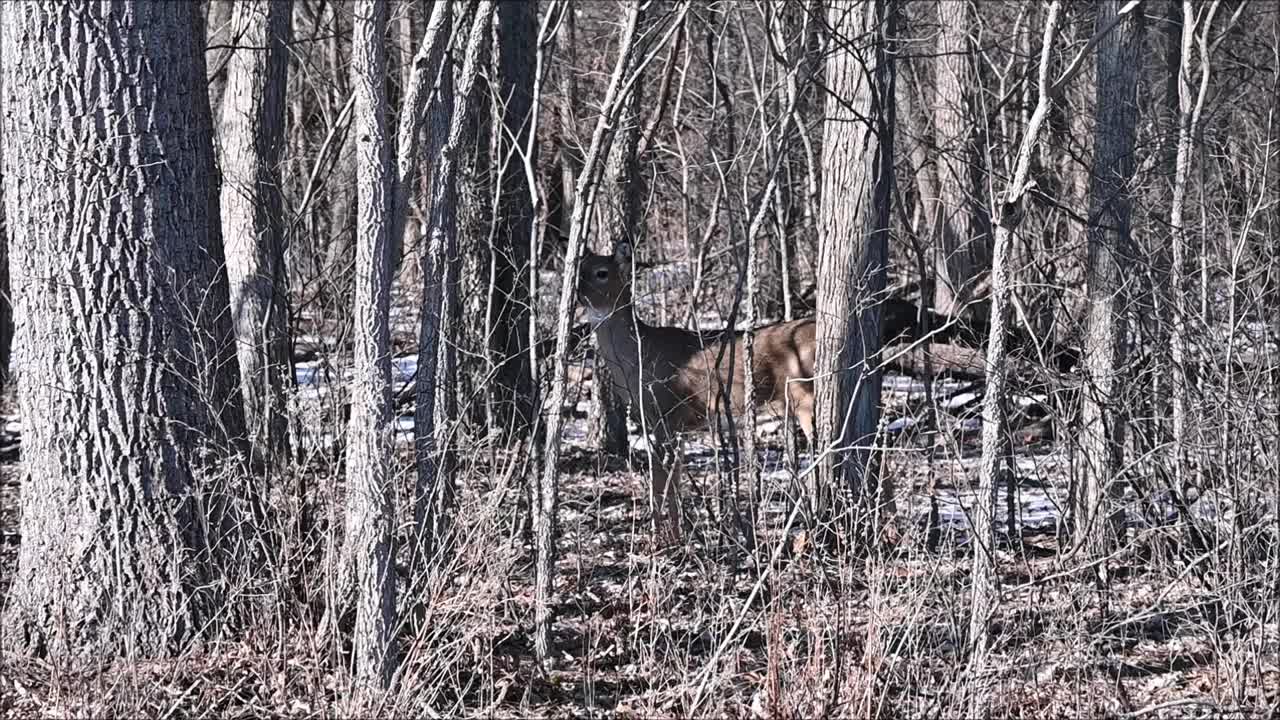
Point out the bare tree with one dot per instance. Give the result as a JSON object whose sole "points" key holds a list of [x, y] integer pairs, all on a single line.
{"points": [[1195, 36], [512, 391], [118, 351], [450, 132], [252, 139], [962, 233], [857, 157], [620, 223], [584, 200], [1110, 252], [370, 509]]}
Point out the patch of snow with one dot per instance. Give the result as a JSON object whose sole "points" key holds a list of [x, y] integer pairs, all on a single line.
{"points": [[900, 424], [958, 401]]}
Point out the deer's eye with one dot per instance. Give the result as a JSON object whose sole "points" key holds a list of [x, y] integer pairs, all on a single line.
{"points": [[602, 274]]}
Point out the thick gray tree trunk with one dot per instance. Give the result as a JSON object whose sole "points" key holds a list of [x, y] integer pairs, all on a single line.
{"points": [[468, 273], [370, 511], [962, 237], [252, 139], [1110, 254], [110, 190], [857, 152]]}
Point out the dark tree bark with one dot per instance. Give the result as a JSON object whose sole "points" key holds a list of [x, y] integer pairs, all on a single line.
{"points": [[450, 132], [512, 391], [468, 273], [252, 139], [109, 184]]}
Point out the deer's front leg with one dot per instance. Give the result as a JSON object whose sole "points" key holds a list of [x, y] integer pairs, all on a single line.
{"points": [[666, 464]]}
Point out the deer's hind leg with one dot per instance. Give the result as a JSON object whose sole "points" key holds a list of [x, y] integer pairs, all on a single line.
{"points": [[801, 392]]}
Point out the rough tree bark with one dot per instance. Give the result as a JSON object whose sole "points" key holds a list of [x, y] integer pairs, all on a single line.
{"points": [[1010, 212], [468, 274], [584, 198], [1110, 207], [370, 510], [6, 300], [451, 130], [512, 391], [960, 213], [252, 139], [109, 182], [857, 156]]}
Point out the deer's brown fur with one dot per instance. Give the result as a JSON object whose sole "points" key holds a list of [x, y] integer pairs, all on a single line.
{"points": [[684, 374]]}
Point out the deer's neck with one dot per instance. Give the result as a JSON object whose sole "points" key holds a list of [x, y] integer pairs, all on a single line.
{"points": [[618, 342]]}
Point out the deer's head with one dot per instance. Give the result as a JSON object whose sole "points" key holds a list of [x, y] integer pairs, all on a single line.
{"points": [[604, 283]]}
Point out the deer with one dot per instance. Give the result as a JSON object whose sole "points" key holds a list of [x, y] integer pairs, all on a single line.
{"points": [[675, 379]]}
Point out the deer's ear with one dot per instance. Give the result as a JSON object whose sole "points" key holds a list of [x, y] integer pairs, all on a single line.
{"points": [[622, 254]]}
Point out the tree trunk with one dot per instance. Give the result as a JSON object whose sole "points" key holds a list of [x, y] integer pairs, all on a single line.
{"points": [[620, 223], [6, 298], [583, 199], [1190, 105], [109, 182], [451, 130], [1110, 207], [252, 138], [960, 214], [512, 390], [1011, 209], [370, 511], [222, 38], [857, 155]]}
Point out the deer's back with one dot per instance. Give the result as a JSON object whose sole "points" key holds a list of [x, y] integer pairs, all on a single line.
{"points": [[688, 373]]}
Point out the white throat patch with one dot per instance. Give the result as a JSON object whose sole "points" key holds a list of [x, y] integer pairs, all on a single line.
{"points": [[595, 315]]}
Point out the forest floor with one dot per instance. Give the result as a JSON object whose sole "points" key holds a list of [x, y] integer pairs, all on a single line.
{"points": [[711, 628]]}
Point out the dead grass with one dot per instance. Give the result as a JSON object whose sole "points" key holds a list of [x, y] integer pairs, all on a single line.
{"points": [[646, 633]]}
